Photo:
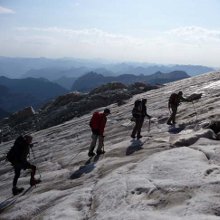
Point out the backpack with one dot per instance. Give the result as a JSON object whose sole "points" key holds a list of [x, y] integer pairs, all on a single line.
{"points": [[12, 153], [137, 110], [173, 100], [94, 119], [137, 103]]}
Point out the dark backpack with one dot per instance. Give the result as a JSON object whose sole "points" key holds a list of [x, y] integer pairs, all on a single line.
{"points": [[137, 110], [173, 100], [12, 153], [137, 103]]}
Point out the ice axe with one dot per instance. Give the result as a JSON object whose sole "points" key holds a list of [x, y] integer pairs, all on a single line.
{"points": [[32, 151], [149, 124], [103, 143]]}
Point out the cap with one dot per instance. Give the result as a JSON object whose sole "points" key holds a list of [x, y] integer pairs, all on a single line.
{"points": [[106, 110], [28, 138], [180, 93]]}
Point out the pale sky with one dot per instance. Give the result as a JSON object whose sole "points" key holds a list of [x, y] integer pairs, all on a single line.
{"points": [[157, 31]]}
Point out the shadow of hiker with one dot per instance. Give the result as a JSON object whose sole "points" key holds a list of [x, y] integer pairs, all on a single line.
{"points": [[136, 145], [7, 203], [175, 129], [88, 167]]}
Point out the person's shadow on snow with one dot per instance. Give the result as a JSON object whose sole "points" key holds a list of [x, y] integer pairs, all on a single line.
{"points": [[136, 145], [175, 129], [88, 167]]}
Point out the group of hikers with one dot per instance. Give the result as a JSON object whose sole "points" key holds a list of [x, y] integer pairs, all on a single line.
{"points": [[18, 154]]}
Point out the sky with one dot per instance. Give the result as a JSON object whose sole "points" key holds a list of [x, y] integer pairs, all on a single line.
{"points": [[157, 31]]}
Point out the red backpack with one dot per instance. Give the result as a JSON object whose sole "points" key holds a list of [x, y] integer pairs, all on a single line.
{"points": [[94, 120]]}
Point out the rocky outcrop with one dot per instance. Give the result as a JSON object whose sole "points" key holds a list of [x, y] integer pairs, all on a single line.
{"points": [[77, 104], [23, 114]]}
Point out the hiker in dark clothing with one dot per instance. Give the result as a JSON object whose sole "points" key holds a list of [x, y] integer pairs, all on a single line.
{"points": [[18, 158], [138, 119], [174, 102], [139, 113], [97, 124]]}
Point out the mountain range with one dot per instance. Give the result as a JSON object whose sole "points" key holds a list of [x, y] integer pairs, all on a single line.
{"points": [[19, 93], [43, 67], [92, 80]]}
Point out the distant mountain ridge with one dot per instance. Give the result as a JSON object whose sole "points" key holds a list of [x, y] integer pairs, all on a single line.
{"points": [[19, 93], [3, 113], [92, 80], [54, 69], [151, 69], [64, 78]]}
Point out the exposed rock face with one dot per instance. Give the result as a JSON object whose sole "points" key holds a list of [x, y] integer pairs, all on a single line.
{"points": [[23, 114], [215, 126], [18, 123], [75, 104], [194, 97], [108, 87]]}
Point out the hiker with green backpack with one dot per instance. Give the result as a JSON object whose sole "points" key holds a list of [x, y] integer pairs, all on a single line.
{"points": [[17, 156], [139, 112]]}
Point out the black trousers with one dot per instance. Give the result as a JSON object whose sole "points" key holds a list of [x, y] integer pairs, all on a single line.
{"points": [[137, 127], [22, 166], [172, 118]]}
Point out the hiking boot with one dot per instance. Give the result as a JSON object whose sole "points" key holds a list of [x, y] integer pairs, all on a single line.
{"points": [[16, 190], [34, 181], [91, 154], [100, 152], [139, 137], [169, 123], [132, 136]]}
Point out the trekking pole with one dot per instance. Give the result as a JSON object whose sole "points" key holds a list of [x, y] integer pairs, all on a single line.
{"points": [[196, 121], [194, 110], [32, 151], [34, 159], [149, 123], [103, 145], [39, 172]]}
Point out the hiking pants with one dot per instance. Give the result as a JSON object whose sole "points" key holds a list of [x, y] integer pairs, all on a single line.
{"points": [[172, 117], [100, 139], [137, 127], [17, 169]]}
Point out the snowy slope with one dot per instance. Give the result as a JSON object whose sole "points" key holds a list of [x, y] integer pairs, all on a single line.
{"points": [[170, 174]]}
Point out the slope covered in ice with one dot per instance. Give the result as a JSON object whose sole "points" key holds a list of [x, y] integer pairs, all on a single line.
{"points": [[172, 173]]}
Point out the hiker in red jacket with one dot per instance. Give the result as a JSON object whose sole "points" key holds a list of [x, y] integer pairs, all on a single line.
{"points": [[97, 124]]}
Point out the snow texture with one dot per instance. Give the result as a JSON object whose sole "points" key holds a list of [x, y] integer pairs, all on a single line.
{"points": [[173, 172]]}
